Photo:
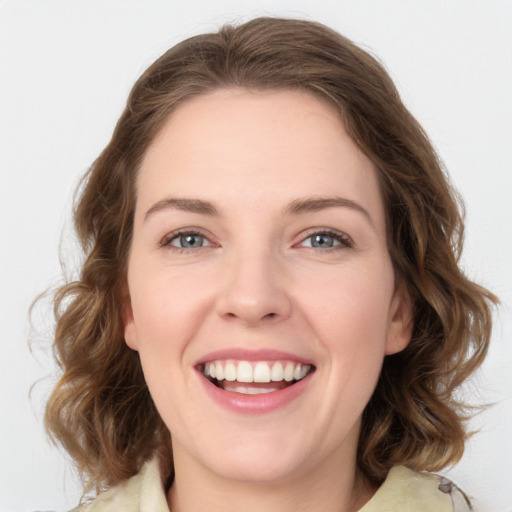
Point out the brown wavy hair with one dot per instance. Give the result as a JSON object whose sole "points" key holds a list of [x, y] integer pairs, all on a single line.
{"points": [[101, 410]]}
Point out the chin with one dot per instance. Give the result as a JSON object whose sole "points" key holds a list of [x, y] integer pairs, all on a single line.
{"points": [[259, 456], [265, 469]]}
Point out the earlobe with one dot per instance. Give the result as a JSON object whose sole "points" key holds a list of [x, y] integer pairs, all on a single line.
{"points": [[400, 321], [130, 332]]}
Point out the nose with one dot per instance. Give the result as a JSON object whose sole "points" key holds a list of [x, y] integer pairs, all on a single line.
{"points": [[255, 290]]}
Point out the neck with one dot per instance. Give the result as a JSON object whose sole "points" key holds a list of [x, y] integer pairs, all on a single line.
{"points": [[328, 487]]}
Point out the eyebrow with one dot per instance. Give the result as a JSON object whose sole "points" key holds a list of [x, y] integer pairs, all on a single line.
{"points": [[315, 204], [188, 205], [296, 207]]}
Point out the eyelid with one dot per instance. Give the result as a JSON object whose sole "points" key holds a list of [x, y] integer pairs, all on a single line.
{"points": [[345, 240], [165, 241]]}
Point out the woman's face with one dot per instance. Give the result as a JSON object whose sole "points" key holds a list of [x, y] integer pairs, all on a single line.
{"points": [[259, 258]]}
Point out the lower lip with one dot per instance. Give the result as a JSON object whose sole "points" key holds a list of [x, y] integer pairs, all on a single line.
{"points": [[255, 404]]}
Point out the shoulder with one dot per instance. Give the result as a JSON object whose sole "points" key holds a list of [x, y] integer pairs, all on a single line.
{"points": [[142, 492], [405, 490], [460, 501]]}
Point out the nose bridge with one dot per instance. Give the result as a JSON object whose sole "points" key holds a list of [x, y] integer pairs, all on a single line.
{"points": [[254, 288]]}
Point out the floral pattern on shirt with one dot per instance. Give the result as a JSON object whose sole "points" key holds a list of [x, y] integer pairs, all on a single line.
{"points": [[460, 501]]}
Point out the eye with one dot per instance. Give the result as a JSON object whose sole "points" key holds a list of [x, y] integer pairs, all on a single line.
{"points": [[186, 240], [328, 240]]}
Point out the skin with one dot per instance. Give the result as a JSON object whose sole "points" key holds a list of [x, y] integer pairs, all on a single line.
{"points": [[256, 281]]}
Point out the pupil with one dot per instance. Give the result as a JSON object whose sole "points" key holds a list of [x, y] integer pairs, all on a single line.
{"points": [[323, 241], [191, 241]]}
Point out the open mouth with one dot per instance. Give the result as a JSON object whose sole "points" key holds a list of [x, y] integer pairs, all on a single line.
{"points": [[254, 377]]}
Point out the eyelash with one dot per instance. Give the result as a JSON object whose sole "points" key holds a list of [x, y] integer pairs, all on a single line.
{"points": [[169, 238], [345, 242]]}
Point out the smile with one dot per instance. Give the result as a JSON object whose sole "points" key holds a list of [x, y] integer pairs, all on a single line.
{"points": [[254, 377]]}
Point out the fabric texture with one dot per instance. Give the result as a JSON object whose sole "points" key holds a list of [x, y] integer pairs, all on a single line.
{"points": [[403, 490]]}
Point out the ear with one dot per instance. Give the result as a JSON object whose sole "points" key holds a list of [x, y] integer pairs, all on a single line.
{"points": [[400, 322], [130, 331]]}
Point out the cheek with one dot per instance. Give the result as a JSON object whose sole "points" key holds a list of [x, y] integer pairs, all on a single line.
{"points": [[166, 302], [161, 334], [168, 309], [349, 313], [352, 302]]}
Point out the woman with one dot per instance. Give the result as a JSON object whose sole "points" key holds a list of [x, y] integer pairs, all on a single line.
{"points": [[270, 312]]}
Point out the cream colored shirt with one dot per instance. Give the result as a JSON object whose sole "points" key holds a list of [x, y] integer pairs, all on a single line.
{"points": [[402, 491]]}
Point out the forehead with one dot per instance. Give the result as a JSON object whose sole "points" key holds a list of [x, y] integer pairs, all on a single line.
{"points": [[235, 143]]}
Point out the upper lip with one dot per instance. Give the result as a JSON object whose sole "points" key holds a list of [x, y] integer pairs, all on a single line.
{"points": [[239, 354]]}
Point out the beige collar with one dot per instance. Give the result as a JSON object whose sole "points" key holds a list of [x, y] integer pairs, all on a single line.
{"points": [[403, 491]]}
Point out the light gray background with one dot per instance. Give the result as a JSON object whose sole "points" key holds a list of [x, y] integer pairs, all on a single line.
{"points": [[65, 70]]}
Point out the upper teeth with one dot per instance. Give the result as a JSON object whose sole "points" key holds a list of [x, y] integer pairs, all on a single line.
{"points": [[261, 371]]}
